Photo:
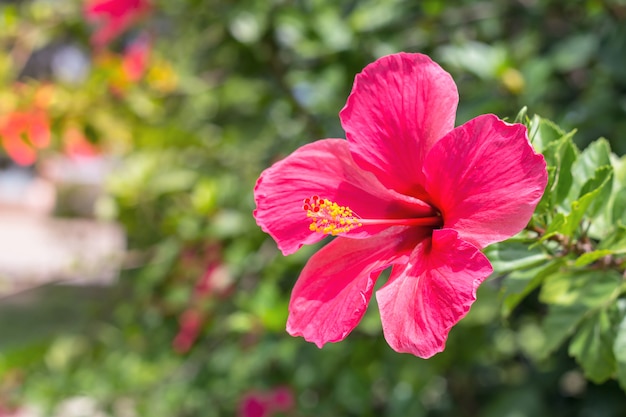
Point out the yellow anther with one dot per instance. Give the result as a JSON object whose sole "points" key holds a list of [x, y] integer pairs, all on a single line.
{"points": [[328, 217]]}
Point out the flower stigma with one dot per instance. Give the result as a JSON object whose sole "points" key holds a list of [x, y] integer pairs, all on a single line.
{"points": [[329, 218]]}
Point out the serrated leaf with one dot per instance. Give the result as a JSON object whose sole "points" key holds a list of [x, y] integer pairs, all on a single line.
{"points": [[599, 177], [592, 190], [587, 288], [542, 132], [594, 156], [579, 183], [559, 324], [602, 180], [560, 156], [592, 346]]}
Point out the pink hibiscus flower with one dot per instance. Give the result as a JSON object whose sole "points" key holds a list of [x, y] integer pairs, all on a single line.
{"points": [[113, 17], [408, 190]]}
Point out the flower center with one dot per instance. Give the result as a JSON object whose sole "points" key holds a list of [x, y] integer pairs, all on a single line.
{"points": [[329, 218]]}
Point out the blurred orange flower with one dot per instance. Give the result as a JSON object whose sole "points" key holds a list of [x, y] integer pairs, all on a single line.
{"points": [[76, 145], [23, 132]]}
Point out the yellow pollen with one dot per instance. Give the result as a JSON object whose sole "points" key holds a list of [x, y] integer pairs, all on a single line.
{"points": [[328, 217]]}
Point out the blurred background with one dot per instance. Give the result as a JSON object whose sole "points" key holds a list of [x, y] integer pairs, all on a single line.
{"points": [[133, 278]]}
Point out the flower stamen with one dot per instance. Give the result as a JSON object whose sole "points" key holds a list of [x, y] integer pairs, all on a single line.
{"points": [[329, 218]]}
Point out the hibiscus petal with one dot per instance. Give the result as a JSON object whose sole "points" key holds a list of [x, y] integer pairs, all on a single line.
{"points": [[399, 106], [323, 168], [424, 299], [334, 288], [486, 179]]}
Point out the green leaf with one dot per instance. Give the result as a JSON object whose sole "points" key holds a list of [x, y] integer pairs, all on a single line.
{"points": [[619, 165], [545, 205], [483, 60], [602, 180], [519, 283], [560, 156], [510, 256], [587, 288], [543, 132], [574, 51], [572, 295], [613, 244], [592, 346], [559, 324], [611, 203], [589, 200], [172, 180], [596, 155], [268, 307], [521, 115], [616, 241], [589, 257], [167, 252], [619, 207], [556, 226], [567, 153], [560, 153]]}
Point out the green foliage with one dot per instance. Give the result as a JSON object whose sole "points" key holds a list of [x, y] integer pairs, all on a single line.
{"points": [[580, 243], [235, 86]]}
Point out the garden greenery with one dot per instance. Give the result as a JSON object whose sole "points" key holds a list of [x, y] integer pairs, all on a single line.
{"points": [[191, 100]]}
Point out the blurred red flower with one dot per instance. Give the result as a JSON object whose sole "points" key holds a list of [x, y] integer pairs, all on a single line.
{"points": [[266, 404], [190, 325], [135, 59], [113, 17], [254, 405], [281, 399]]}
